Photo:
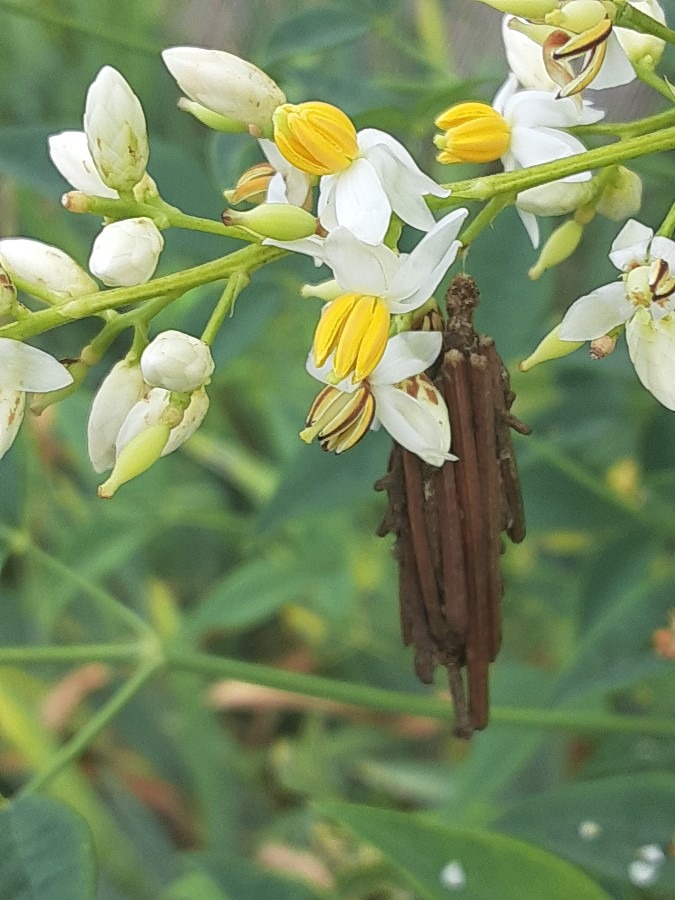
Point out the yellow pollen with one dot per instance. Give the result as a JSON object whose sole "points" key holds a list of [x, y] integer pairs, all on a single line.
{"points": [[473, 132], [315, 137], [356, 327]]}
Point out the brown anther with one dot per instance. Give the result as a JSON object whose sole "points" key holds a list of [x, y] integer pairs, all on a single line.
{"points": [[602, 347]]}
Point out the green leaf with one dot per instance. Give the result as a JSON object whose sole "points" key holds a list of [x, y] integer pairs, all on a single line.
{"points": [[46, 852], [494, 865], [313, 31], [622, 813]]}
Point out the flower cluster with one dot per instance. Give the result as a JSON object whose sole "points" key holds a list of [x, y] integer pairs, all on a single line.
{"points": [[342, 196]]}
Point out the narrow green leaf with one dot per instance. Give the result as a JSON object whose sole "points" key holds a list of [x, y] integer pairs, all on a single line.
{"points": [[46, 852], [492, 865], [314, 30]]}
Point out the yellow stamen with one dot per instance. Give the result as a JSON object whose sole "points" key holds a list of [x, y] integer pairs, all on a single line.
{"points": [[356, 327], [252, 185], [584, 42], [474, 132], [315, 137], [339, 419]]}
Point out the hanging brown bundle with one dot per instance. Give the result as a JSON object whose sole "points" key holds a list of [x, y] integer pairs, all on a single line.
{"points": [[448, 521]]}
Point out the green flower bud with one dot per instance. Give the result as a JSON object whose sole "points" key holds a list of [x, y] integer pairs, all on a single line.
{"points": [[136, 457], [279, 221], [552, 347], [622, 196], [579, 15], [561, 244]]}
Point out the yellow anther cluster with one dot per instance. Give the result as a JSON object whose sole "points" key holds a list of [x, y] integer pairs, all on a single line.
{"points": [[315, 137], [472, 132], [356, 327]]}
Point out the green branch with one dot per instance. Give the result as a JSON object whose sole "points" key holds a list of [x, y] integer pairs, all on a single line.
{"points": [[630, 17]]}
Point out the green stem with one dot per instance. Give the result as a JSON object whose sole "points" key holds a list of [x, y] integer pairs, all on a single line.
{"points": [[513, 182], [387, 701], [630, 17], [485, 217], [233, 288], [647, 125], [430, 21], [248, 259], [668, 224], [21, 542], [647, 75], [74, 654], [71, 750]]}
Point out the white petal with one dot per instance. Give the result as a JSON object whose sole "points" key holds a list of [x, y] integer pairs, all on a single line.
{"points": [[651, 346], [192, 419], [557, 198], [510, 86], [289, 185], [25, 368], [358, 202], [347, 386], [631, 245], [420, 273], [529, 220], [405, 196], [177, 361], [615, 70], [413, 425], [539, 109], [595, 314], [663, 248], [525, 59], [360, 267], [532, 146], [45, 266], [70, 154], [312, 246], [407, 354], [12, 406], [372, 142]]}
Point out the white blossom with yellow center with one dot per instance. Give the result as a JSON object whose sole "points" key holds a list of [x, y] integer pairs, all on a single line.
{"points": [[374, 282], [365, 175], [643, 300]]}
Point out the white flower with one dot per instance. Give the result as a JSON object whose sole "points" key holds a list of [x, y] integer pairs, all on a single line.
{"points": [[525, 58], [120, 390], [403, 400], [226, 84], [376, 282], [643, 300], [149, 411], [534, 119], [642, 47], [69, 151], [45, 267], [116, 133], [384, 178], [24, 368], [126, 252], [177, 362]]}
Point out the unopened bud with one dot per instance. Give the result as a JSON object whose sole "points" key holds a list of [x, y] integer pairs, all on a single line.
{"points": [[136, 457], [69, 151], [279, 221], [560, 245], [552, 347], [602, 346], [578, 15], [622, 196], [643, 49], [177, 362], [210, 118], [527, 9], [252, 185], [45, 267], [119, 392], [126, 252], [116, 133]]}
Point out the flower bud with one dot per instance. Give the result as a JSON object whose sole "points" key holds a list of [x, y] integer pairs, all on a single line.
{"points": [[126, 252], [279, 221], [157, 408], [578, 15], [192, 418], [177, 362], [120, 390], [561, 244], [646, 49], [116, 133], [12, 406], [622, 196], [45, 267], [551, 347], [252, 185], [225, 84], [528, 9], [315, 137], [144, 449], [69, 151]]}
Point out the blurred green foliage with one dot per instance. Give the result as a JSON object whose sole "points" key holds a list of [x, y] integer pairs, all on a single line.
{"points": [[255, 547]]}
